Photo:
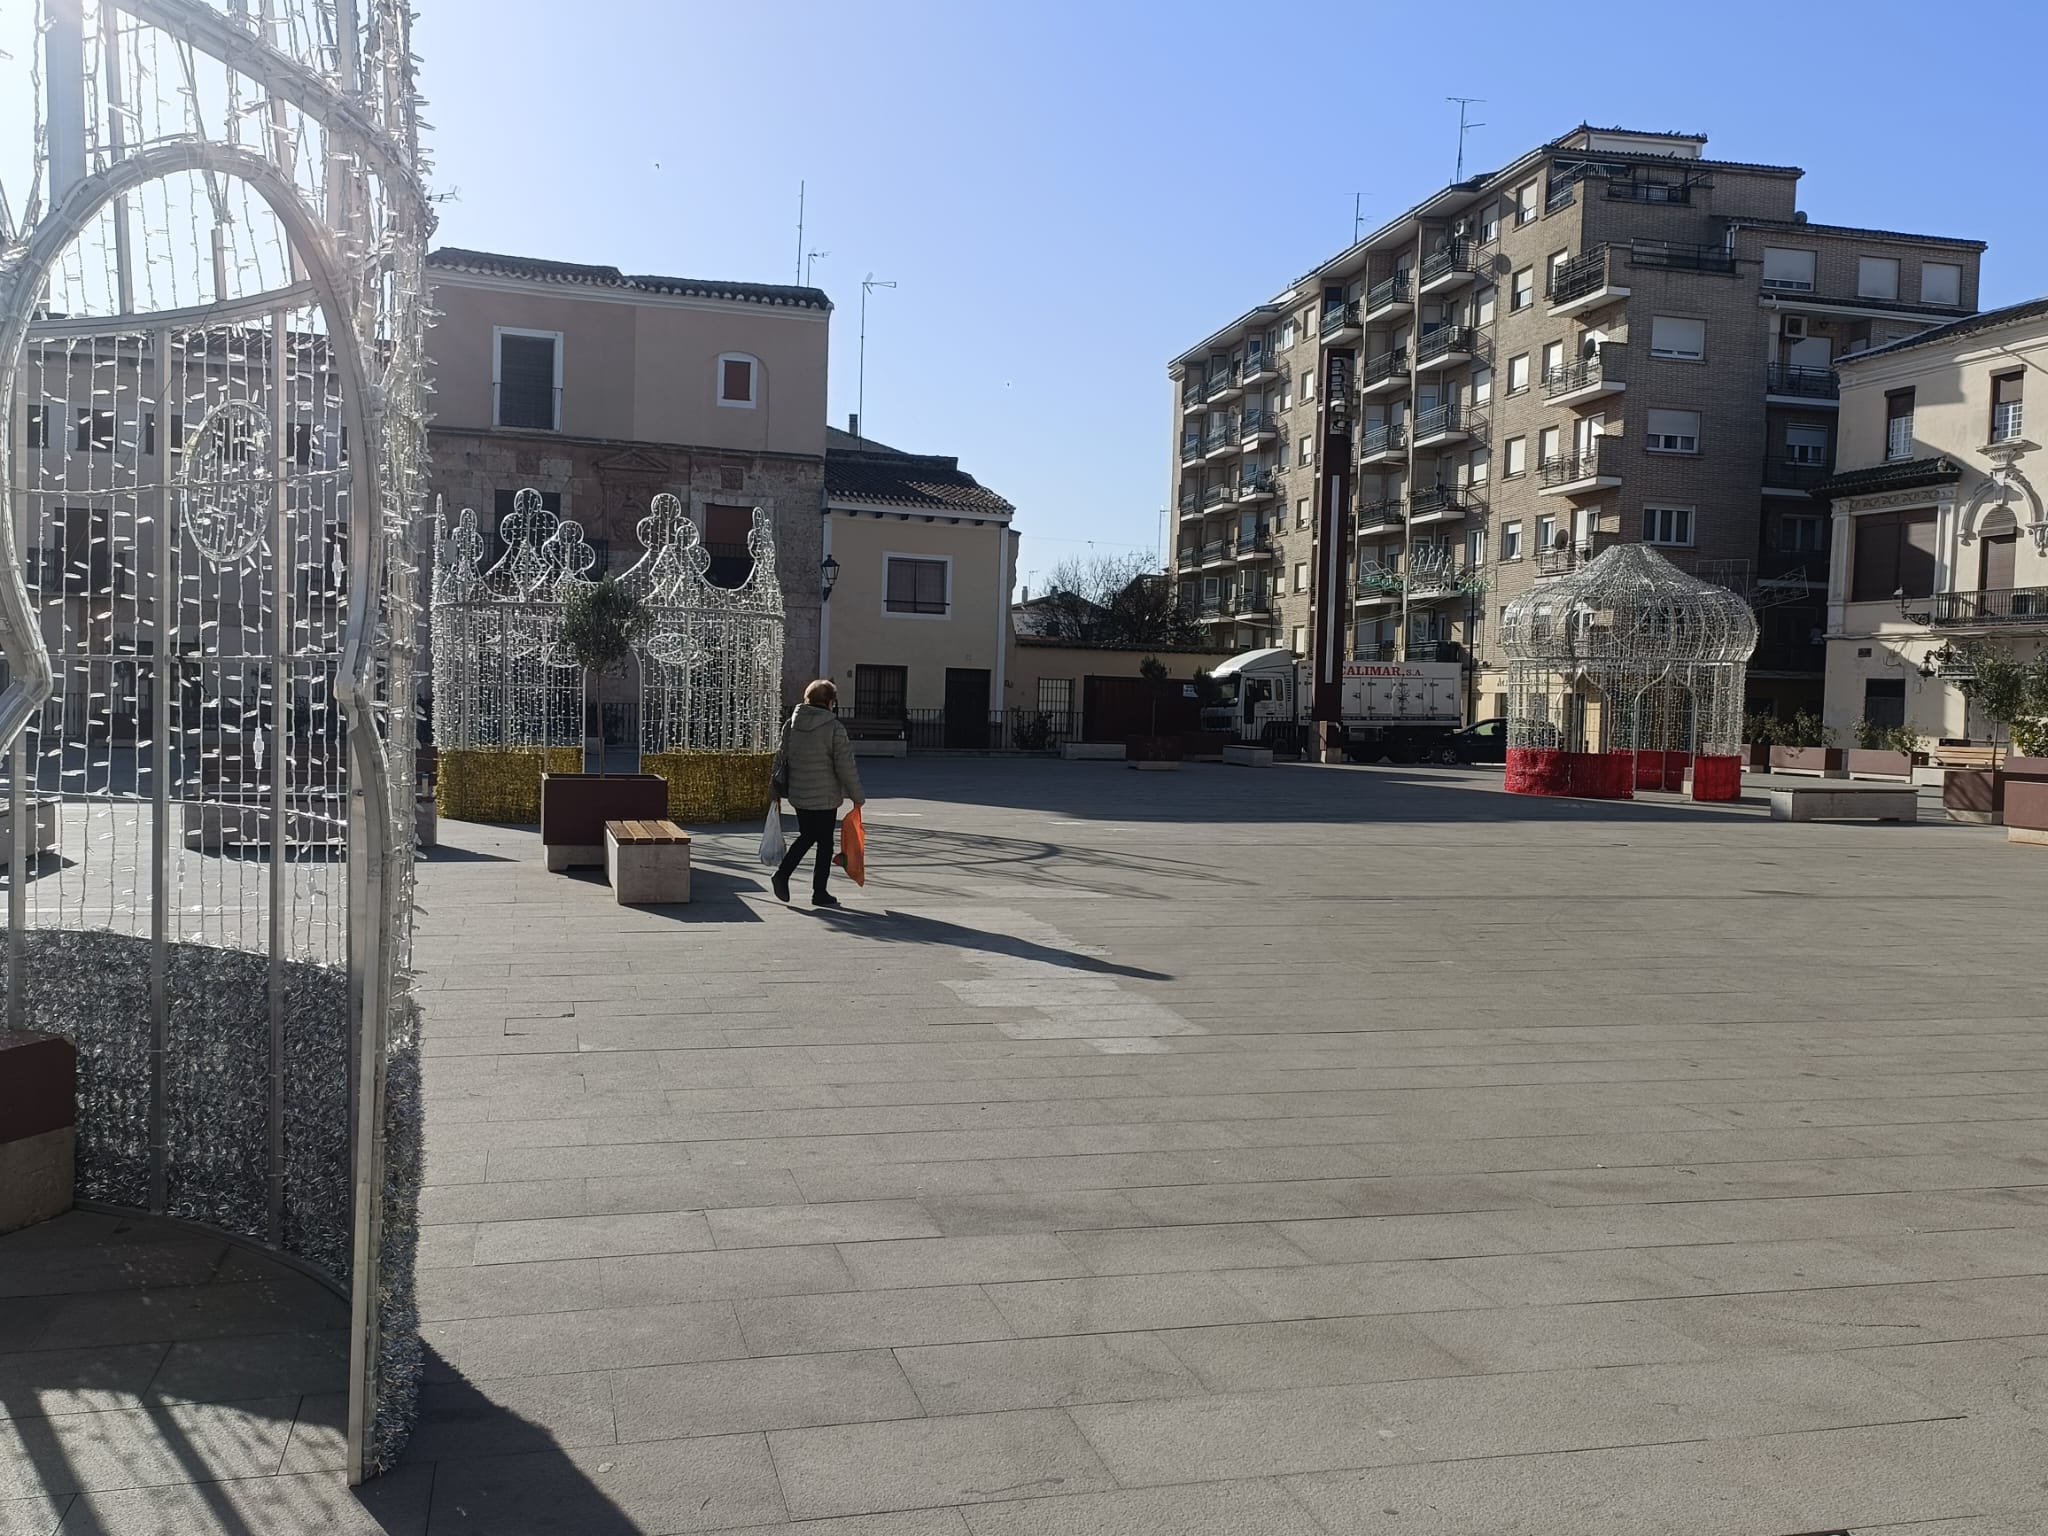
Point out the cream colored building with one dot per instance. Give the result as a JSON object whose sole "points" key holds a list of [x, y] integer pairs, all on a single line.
{"points": [[916, 631], [1940, 532]]}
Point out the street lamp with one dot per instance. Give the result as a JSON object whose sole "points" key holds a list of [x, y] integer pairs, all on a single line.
{"points": [[867, 285], [828, 578]]}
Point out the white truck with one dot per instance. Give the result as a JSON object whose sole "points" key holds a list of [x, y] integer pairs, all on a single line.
{"points": [[1404, 710]]}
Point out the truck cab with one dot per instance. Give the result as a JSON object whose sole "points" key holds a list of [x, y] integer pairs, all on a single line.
{"points": [[1405, 711]]}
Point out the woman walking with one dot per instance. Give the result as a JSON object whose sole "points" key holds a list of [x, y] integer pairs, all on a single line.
{"points": [[819, 755]]}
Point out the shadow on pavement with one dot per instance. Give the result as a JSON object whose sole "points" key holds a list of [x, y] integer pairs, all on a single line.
{"points": [[893, 927]]}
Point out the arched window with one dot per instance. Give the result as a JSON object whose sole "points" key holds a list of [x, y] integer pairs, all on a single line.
{"points": [[739, 380]]}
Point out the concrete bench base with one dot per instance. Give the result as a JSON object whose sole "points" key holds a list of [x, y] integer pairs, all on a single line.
{"points": [[1155, 767], [1841, 803], [38, 1137], [1093, 752], [1249, 757], [880, 748], [42, 829], [2038, 836], [310, 820], [647, 862]]}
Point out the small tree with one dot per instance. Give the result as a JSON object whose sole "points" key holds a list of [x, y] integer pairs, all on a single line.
{"points": [[1153, 670], [601, 624], [2013, 694]]}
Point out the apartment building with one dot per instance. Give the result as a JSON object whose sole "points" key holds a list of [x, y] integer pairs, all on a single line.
{"points": [[1614, 337], [602, 390], [1940, 536]]}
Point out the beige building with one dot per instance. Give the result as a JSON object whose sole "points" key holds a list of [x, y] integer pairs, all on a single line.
{"points": [[1940, 529], [1614, 337], [916, 630], [602, 390]]}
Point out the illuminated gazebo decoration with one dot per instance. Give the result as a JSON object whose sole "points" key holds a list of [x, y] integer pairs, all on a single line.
{"points": [[1626, 674], [212, 324]]}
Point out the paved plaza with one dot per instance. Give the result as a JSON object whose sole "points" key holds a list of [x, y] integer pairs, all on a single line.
{"points": [[1287, 1152]]}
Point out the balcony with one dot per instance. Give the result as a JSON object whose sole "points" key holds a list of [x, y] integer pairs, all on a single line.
{"points": [[1218, 496], [1445, 347], [1191, 396], [1188, 559], [1385, 650], [1677, 256], [1209, 609], [1633, 190], [1383, 444], [1428, 584], [1191, 448], [1258, 547], [1444, 424], [1438, 504], [1559, 194], [1386, 374], [1190, 501], [1423, 649], [1586, 282], [1218, 552], [1598, 468], [1223, 386], [1375, 515], [1563, 559], [1590, 378], [1340, 323], [1256, 487], [1257, 426], [1260, 366], [1788, 477], [1389, 299], [1376, 585], [2012, 607], [1802, 386], [1446, 270], [1253, 605], [1222, 441]]}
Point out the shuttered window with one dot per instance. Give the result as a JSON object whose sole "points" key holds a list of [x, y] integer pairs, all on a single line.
{"points": [[1892, 552], [915, 586], [1788, 270], [1675, 336]]}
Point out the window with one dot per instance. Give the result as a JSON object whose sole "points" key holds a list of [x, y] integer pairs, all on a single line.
{"points": [[95, 431], [737, 376], [1877, 277], [1898, 424], [1667, 525], [1525, 203], [915, 586], [1806, 443], [1482, 385], [1305, 454], [1546, 446], [1476, 463], [527, 384], [1787, 270], [1801, 533], [1557, 261], [1674, 432], [1056, 696], [1308, 385], [1298, 638], [1482, 307], [1475, 547], [1489, 224], [1553, 359], [2005, 406], [1518, 374], [1287, 334], [1286, 393], [1280, 454], [1522, 289], [1511, 541], [1884, 701], [1515, 457], [1301, 575], [1301, 512], [1941, 282], [35, 426], [1674, 336], [879, 693], [1546, 531], [1892, 552]]}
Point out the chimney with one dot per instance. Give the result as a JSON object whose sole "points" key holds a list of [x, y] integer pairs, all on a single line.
{"points": [[852, 425]]}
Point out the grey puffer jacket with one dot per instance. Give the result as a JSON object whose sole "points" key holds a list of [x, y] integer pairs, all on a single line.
{"points": [[821, 770]]}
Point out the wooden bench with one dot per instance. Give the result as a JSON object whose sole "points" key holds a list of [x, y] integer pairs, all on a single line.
{"points": [[647, 862], [1840, 802], [1965, 757]]}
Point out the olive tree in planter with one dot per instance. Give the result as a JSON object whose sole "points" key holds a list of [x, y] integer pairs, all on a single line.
{"points": [[1804, 745], [1884, 751], [1153, 751], [601, 625], [2013, 694]]}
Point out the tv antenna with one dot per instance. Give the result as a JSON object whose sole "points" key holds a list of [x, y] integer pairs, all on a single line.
{"points": [[1357, 216], [809, 257], [1464, 127], [800, 232]]}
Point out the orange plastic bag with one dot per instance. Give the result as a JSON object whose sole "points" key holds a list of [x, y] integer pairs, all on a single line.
{"points": [[853, 848]]}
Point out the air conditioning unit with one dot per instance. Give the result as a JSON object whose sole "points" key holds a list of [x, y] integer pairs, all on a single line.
{"points": [[1792, 327]]}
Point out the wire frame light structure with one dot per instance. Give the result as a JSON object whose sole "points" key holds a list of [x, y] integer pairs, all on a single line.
{"points": [[709, 674], [1626, 674], [212, 318]]}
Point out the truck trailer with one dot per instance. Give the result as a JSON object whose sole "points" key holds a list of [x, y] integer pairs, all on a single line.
{"points": [[1403, 710]]}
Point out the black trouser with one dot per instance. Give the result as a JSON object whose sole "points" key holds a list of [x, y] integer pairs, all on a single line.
{"points": [[811, 827]]}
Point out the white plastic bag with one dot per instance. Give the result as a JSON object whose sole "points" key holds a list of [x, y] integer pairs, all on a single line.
{"points": [[772, 845]]}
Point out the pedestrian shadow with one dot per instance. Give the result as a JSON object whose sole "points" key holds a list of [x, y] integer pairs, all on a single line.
{"points": [[893, 927], [714, 896]]}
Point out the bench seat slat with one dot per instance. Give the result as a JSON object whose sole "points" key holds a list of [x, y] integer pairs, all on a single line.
{"points": [[628, 832]]}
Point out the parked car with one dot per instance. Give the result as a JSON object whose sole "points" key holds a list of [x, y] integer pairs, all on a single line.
{"points": [[1484, 741]]}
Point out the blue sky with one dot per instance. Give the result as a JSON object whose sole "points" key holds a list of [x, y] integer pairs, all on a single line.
{"points": [[1068, 194]]}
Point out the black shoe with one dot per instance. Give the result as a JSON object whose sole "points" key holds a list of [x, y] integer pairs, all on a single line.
{"points": [[781, 888], [825, 899]]}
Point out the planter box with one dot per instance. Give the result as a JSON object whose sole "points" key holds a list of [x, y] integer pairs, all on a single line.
{"points": [[1204, 746], [575, 806], [2026, 807], [1755, 756], [1825, 761], [1153, 749], [1877, 763], [2025, 768], [1973, 794]]}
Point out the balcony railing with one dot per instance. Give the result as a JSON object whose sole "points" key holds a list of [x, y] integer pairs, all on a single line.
{"points": [[1388, 365], [1209, 608], [1806, 383], [1592, 463], [1379, 514], [1386, 293], [1258, 364], [1253, 600], [1188, 559], [1682, 257], [1221, 383], [1988, 610], [1799, 475], [1438, 420], [1452, 258], [1254, 544], [1634, 191], [1190, 498], [1444, 339], [1221, 437], [1562, 558], [1559, 195], [1338, 316], [1215, 550], [1580, 276], [1438, 499], [1253, 422], [1585, 373], [1390, 438], [1261, 484], [1191, 446], [1386, 650], [1217, 495]]}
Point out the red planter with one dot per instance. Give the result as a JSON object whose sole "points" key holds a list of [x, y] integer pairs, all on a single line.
{"points": [[1807, 759], [1662, 770], [1588, 775], [1716, 777]]}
